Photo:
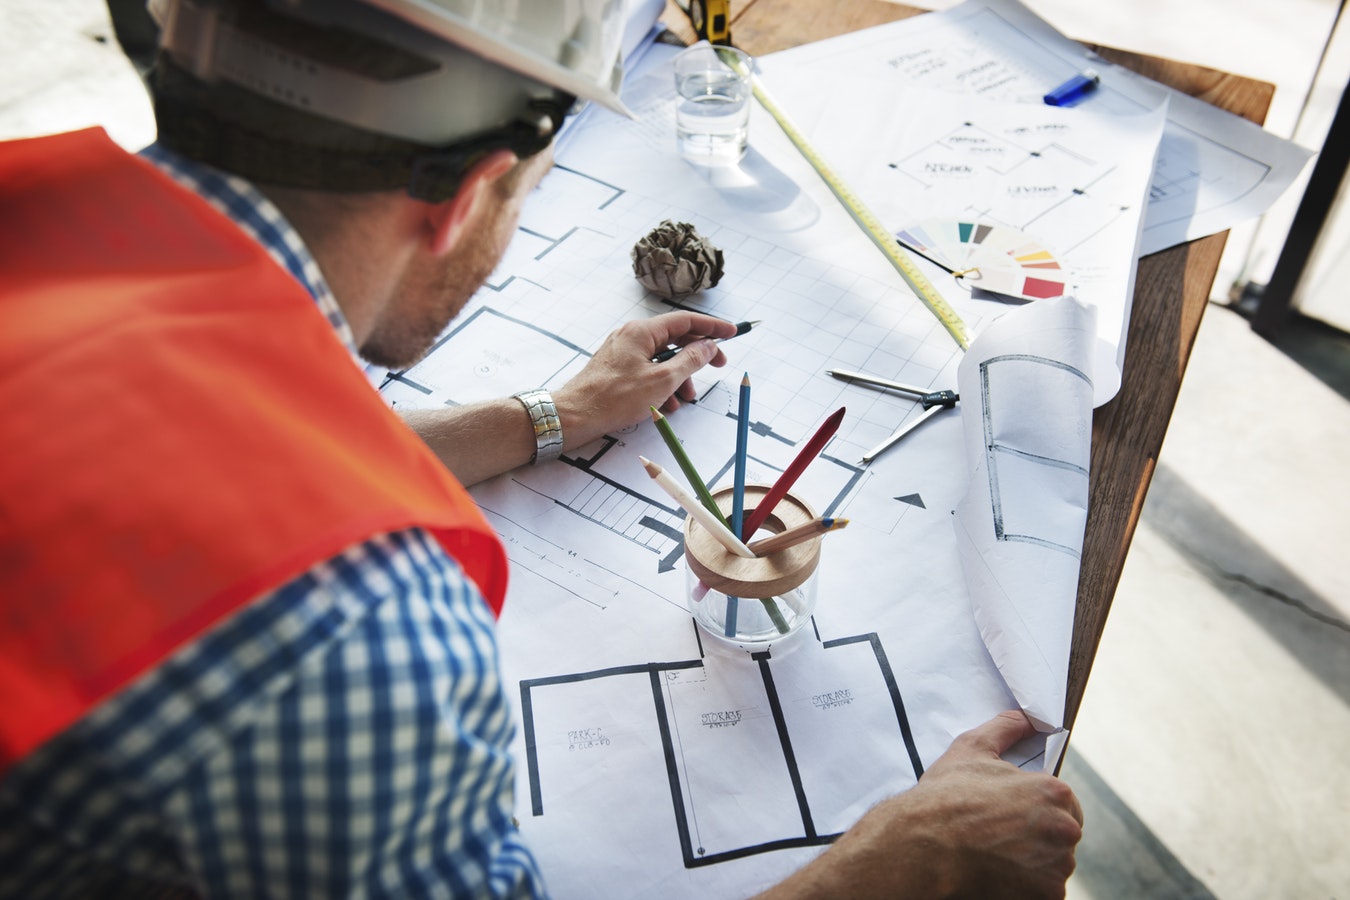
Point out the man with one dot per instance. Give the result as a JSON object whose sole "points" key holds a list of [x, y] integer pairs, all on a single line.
{"points": [[247, 644]]}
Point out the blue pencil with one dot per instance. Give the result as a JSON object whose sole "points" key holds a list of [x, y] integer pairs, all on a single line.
{"points": [[738, 484], [742, 453]]}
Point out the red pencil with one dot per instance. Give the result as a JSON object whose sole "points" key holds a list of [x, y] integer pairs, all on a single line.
{"points": [[792, 473]]}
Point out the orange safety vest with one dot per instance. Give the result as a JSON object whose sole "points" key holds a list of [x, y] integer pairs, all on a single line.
{"points": [[181, 433]]}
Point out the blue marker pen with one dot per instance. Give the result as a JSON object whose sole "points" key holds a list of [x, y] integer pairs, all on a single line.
{"points": [[1073, 90]]}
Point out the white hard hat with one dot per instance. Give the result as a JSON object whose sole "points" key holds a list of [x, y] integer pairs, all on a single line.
{"points": [[480, 63]]}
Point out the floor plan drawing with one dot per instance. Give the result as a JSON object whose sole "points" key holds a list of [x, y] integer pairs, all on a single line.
{"points": [[710, 722], [567, 282], [710, 767]]}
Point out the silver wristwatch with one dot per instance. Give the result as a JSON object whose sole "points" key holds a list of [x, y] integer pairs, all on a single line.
{"points": [[548, 439]]}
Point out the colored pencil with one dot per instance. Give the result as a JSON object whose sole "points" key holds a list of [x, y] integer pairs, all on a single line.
{"points": [[742, 457], [792, 473], [797, 535], [691, 506], [738, 483], [687, 465]]}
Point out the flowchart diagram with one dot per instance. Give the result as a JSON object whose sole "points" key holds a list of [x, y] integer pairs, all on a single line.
{"points": [[1025, 176]]}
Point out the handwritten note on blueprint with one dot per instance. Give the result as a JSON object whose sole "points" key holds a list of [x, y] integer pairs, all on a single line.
{"points": [[1213, 169], [655, 761]]}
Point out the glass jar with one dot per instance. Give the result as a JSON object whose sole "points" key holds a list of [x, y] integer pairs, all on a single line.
{"points": [[752, 603]]}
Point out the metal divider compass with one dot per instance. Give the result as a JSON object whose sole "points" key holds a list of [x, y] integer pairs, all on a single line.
{"points": [[933, 403]]}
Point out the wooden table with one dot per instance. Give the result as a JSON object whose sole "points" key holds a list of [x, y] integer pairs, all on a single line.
{"points": [[1171, 292]]}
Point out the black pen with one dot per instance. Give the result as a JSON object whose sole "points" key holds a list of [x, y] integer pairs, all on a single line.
{"points": [[669, 352]]}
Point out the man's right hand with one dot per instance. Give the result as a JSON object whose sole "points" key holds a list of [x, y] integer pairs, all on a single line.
{"points": [[974, 826], [620, 384]]}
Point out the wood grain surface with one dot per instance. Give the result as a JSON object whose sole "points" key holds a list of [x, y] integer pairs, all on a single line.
{"points": [[767, 576]]}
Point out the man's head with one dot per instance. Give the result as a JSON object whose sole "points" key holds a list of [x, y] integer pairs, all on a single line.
{"points": [[462, 240], [399, 136], [341, 95]]}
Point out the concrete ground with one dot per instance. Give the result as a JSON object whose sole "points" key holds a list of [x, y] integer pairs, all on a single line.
{"points": [[1210, 750]]}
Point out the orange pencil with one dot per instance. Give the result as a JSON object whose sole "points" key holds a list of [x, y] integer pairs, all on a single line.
{"points": [[794, 536]]}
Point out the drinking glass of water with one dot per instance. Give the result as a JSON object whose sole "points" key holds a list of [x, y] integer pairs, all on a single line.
{"points": [[713, 117]]}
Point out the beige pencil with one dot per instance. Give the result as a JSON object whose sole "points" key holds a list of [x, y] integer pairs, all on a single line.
{"points": [[695, 509], [794, 536]]}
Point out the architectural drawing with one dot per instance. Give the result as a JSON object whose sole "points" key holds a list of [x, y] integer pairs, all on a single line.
{"points": [[722, 731], [567, 282], [1211, 170], [1073, 182], [711, 767], [656, 761]]}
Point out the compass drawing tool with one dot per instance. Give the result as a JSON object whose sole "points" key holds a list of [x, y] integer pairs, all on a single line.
{"points": [[933, 402]]}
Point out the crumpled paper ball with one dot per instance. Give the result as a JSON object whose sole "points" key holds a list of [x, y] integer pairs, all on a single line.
{"points": [[674, 261]]}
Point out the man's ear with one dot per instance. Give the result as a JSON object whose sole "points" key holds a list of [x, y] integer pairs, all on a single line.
{"points": [[448, 219]]}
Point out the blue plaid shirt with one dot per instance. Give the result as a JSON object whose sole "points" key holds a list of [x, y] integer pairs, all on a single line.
{"points": [[346, 735]]}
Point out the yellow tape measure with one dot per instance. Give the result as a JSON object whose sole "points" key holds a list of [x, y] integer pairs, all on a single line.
{"points": [[711, 19], [917, 281]]}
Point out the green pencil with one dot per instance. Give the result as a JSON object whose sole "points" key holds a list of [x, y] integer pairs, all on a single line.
{"points": [[775, 614], [686, 466]]}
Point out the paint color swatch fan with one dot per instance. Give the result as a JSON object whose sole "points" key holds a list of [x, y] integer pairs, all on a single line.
{"points": [[989, 257]]}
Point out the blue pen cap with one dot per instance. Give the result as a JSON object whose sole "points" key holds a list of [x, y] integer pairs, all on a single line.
{"points": [[1074, 89]]}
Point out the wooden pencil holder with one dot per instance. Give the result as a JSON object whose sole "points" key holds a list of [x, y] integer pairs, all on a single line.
{"points": [[752, 603]]}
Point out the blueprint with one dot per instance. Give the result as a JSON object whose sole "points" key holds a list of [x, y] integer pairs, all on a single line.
{"points": [[1075, 179], [1213, 169], [652, 760]]}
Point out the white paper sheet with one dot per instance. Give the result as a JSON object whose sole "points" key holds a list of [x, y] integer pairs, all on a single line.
{"points": [[1076, 180], [1213, 169], [1026, 388]]}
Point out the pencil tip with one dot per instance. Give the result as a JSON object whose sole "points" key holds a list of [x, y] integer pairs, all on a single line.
{"points": [[745, 379], [656, 414]]}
